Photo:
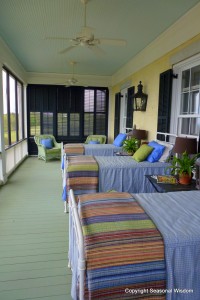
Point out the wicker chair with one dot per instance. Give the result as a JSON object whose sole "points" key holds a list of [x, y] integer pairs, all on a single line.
{"points": [[46, 153], [96, 138]]}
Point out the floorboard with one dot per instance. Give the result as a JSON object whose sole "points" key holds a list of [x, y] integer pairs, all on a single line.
{"points": [[34, 234]]}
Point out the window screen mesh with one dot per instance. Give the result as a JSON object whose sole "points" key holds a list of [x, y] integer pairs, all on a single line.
{"points": [[47, 123], [62, 124]]}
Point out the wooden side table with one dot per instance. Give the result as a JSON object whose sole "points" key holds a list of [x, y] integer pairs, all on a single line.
{"points": [[165, 187]]}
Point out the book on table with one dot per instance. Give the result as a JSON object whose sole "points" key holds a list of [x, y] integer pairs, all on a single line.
{"points": [[170, 179]]}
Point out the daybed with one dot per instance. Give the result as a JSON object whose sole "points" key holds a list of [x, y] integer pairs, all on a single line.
{"points": [[142, 246], [89, 174], [93, 147], [96, 138]]}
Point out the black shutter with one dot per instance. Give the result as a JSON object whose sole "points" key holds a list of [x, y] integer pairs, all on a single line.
{"points": [[76, 98], [101, 105], [35, 98], [63, 100], [129, 114], [117, 113], [164, 107], [49, 96]]}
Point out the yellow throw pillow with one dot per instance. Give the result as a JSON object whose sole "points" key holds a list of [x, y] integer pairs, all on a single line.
{"points": [[142, 153]]}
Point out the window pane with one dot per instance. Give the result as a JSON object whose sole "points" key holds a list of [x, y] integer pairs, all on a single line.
{"points": [[194, 103], [88, 123], [35, 123], [5, 110], [194, 126], [20, 110], [190, 126], [185, 126], [185, 80], [100, 123], [12, 108], [89, 101], [195, 78], [190, 102], [74, 124], [13, 120], [184, 103], [62, 124], [101, 101], [47, 123]]}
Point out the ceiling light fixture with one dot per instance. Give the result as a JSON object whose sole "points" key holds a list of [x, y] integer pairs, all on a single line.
{"points": [[72, 80]]}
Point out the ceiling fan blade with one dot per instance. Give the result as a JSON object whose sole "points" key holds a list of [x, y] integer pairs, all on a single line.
{"points": [[67, 49], [58, 38], [96, 50], [113, 42]]}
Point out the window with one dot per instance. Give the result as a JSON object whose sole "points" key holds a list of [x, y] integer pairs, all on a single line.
{"points": [[12, 109], [185, 118], [20, 110], [13, 114], [189, 116], [62, 124], [95, 111], [5, 110], [100, 111], [88, 112], [34, 123], [74, 124], [47, 123]]}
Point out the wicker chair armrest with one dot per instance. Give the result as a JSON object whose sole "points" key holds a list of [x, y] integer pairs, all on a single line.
{"points": [[57, 145]]}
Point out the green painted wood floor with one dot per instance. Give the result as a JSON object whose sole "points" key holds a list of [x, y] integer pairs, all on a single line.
{"points": [[34, 234]]}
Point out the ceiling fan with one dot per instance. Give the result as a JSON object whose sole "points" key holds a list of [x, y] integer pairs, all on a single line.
{"points": [[87, 39]]}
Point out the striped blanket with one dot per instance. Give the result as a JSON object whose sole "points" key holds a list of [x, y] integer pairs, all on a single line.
{"points": [[91, 149], [74, 149], [82, 175], [124, 250]]}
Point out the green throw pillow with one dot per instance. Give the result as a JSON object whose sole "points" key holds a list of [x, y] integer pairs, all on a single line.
{"points": [[142, 153]]}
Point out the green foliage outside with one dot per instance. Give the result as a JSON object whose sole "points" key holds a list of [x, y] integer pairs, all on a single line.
{"points": [[12, 128]]}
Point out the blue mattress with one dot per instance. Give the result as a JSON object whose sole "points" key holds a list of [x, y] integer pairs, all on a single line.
{"points": [[101, 149], [177, 216], [124, 174]]}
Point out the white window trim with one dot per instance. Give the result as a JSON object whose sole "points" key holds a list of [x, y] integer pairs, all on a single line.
{"points": [[176, 92]]}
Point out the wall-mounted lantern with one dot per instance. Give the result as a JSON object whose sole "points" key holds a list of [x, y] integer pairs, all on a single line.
{"points": [[140, 99]]}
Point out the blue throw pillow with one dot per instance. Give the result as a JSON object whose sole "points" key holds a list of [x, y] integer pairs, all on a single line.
{"points": [[156, 153], [119, 139], [94, 142], [47, 143]]}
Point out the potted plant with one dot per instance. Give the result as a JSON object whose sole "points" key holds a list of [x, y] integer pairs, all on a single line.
{"points": [[131, 145], [183, 167]]}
